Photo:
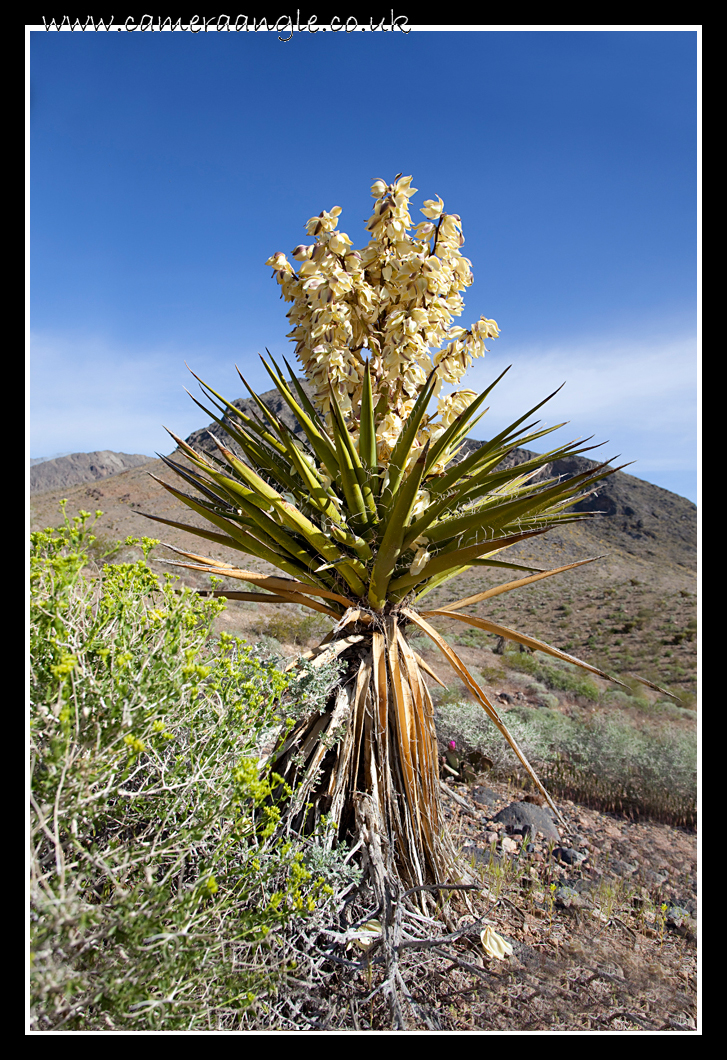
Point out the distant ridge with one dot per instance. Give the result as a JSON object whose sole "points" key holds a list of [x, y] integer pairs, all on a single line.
{"points": [[636, 605], [65, 471], [639, 518]]}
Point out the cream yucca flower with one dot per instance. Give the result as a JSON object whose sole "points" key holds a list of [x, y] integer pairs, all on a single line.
{"points": [[451, 406], [495, 945], [433, 208], [421, 558], [366, 510], [391, 302]]}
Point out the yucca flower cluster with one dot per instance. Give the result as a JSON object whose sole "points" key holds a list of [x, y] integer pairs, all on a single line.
{"points": [[369, 509], [391, 303]]}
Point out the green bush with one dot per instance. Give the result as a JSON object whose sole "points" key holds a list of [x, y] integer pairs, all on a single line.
{"points": [[287, 627], [470, 638], [555, 678], [606, 762], [637, 701], [491, 674], [419, 643], [158, 889]]}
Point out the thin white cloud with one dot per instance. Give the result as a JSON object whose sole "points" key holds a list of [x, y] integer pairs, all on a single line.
{"points": [[89, 393], [642, 396]]}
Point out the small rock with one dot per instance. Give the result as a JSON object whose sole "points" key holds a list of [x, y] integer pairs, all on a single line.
{"points": [[581, 843], [483, 795], [522, 817], [691, 907], [581, 885], [567, 898], [568, 855], [488, 857], [622, 868], [640, 898], [677, 916], [574, 948]]}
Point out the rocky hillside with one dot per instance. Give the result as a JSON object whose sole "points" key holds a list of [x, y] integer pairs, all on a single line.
{"points": [[636, 516], [76, 468], [634, 610], [201, 440]]}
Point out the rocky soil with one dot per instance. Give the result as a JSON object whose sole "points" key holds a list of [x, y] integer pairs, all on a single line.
{"points": [[601, 921]]}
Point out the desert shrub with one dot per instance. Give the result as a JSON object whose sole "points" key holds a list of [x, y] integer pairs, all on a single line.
{"points": [[491, 674], [467, 724], [537, 687], [622, 699], [289, 627], [159, 892], [614, 765], [309, 687], [336, 865], [419, 643], [452, 696], [269, 648], [606, 762], [470, 638], [554, 677]]}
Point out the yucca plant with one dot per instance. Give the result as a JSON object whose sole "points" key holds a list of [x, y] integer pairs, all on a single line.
{"points": [[368, 509]]}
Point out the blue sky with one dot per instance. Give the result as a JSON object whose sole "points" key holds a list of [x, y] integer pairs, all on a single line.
{"points": [[165, 169]]}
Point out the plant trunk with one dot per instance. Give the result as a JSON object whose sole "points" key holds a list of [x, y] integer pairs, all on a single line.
{"points": [[369, 762]]}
